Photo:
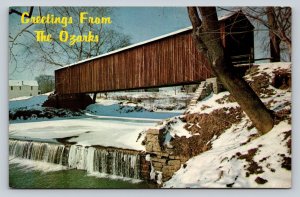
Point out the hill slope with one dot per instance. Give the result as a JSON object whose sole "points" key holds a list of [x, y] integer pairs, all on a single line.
{"points": [[238, 157]]}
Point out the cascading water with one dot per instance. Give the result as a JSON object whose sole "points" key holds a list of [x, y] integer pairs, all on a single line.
{"points": [[114, 162], [38, 151], [108, 161]]}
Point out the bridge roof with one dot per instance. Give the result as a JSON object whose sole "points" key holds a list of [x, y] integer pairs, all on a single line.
{"points": [[130, 46], [221, 18]]}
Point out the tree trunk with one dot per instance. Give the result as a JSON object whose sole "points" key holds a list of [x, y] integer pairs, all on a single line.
{"points": [[274, 39], [210, 44]]}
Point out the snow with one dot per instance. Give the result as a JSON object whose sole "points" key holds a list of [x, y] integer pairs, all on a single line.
{"points": [[88, 131], [164, 100], [33, 102], [178, 130], [269, 68], [106, 123], [20, 98], [215, 169], [112, 108], [166, 92], [220, 166], [210, 104]]}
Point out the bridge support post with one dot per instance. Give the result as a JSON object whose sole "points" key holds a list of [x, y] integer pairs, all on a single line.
{"points": [[94, 97], [68, 101], [216, 84]]}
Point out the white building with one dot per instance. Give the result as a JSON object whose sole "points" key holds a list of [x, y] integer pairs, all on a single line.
{"points": [[18, 88]]}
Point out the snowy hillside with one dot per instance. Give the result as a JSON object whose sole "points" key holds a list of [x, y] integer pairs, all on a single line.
{"points": [[238, 156]]}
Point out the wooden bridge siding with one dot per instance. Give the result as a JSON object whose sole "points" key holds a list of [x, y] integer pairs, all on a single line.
{"points": [[169, 61]]}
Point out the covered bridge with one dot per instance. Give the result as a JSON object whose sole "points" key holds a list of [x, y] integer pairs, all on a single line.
{"points": [[168, 60]]}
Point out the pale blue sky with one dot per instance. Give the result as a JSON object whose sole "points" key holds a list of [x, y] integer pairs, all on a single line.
{"points": [[143, 23], [140, 23]]}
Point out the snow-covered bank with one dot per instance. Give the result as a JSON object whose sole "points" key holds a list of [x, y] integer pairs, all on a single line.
{"points": [[227, 163], [33, 102], [105, 107], [106, 123], [239, 157], [85, 131], [167, 99]]}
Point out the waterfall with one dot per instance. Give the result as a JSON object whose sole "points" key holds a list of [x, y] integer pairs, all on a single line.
{"points": [[110, 161], [38, 151], [114, 162]]}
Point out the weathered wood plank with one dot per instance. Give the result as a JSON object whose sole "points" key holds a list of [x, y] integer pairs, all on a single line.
{"points": [[172, 60]]}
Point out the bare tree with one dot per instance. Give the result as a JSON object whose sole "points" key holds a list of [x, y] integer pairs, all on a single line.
{"points": [[278, 21], [274, 39], [46, 83], [206, 32], [25, 51]]}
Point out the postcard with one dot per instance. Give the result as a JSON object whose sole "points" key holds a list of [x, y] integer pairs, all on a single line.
{"points": [[149, 97]]}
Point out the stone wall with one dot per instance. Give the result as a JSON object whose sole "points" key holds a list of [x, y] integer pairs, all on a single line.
{"points": [[145, 168], [164, 162]]}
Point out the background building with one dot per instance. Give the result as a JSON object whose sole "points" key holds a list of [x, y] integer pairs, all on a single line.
{"points": [[18, 88]]}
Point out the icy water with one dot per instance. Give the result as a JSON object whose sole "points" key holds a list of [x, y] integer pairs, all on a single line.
{"points": [[64, 179]]}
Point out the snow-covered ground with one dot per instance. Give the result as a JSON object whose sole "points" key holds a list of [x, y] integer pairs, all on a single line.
{"points": [[163, 93], [221, 167], [86, 131], [105, 123], [105, 107], [28, 102], [239, 157], [170, 98]]}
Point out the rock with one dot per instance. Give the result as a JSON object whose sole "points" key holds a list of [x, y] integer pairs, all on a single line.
{"points": [[287, 161], [260, 180], [153, 131], [151, 137], [174, 162], [157, 164], [149, 147], [183, 159], [159, 160], [152, 143], [156, 147], [175, 157], [160, 154], [168, 171]]}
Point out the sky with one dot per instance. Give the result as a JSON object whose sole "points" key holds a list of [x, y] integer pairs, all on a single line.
{"points": [[140, 23]]}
